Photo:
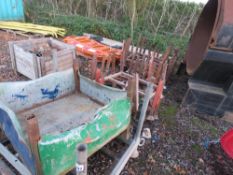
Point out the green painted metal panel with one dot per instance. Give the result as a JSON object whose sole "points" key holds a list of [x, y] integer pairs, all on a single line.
{"points": [[11, 10], [57, 152]]}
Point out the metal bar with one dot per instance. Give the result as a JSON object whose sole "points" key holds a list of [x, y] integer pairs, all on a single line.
{"points": [[137, 89], [81, 164], [140, 80], [160, 67], [103, 64], [134, 144], [109, 153], [93, 67], [116, 82], [146, 101], [143, 94], [4, 169], [13, 161], [123, 55], [113, 76], [109, 60], [113, 70], [132, 92], [164, 72]]}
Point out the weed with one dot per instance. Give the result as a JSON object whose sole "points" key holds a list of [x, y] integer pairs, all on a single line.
{"points": [[197, 149], [169, 111], [168, 116]]}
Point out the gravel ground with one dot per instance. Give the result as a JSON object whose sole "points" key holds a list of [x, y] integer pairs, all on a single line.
{"points": [[183, 142], [6, 71]]}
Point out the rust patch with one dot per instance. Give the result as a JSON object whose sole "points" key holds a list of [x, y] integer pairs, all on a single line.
{"points": [[88, 140]]}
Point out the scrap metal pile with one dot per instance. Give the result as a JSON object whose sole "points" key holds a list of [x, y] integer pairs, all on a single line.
{"points": [[61, 117], [95, 90], [136, 64]]}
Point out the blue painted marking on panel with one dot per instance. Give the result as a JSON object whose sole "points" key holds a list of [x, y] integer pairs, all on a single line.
{"points": [[11, 133], [20, 96], [207, 142], [50, 94], [11, 10]]}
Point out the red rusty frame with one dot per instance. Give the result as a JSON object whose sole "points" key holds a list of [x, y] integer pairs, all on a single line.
{"points": [[141, 64]]}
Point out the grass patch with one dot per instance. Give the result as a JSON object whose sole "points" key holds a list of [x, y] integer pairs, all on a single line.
{"points": [[199, 123], [168, 115], [197, 149], [169, 111]]}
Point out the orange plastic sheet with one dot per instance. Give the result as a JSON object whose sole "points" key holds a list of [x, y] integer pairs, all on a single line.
{"points": [[90, 48]]}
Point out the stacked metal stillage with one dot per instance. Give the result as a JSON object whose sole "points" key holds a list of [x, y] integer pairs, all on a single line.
{"points": [[142, 74], [209, 59]]}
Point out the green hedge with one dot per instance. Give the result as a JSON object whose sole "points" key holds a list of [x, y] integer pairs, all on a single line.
{"points": [[77, 25]]}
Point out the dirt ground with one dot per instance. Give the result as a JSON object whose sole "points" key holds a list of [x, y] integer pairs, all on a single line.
{"points": [[183, 142], [6, 71]]}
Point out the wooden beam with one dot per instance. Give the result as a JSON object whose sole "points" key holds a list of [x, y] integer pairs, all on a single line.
{"points": [[172, 63], [151, 68], [33, 138], [42, 65], [93, 67], [76, 74], [12, 55], [125, 50], [109, 60]]}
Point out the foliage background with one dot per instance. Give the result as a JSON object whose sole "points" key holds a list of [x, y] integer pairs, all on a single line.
{"points": [[162, 22]]}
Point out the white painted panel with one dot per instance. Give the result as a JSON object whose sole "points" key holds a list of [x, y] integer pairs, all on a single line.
{"points": [[23, 95]]}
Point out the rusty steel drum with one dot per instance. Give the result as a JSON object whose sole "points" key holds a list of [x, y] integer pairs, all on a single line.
{"points": [[209, 59], [214, 30]]}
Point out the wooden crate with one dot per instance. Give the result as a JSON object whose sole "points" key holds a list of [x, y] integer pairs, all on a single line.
{"points": [[35, 58]]}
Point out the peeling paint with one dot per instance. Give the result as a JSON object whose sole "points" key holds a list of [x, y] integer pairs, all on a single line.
{"points": [[11, 127], [33, 88], [102, 93], [50, 94], [1, 91], [57, 152], [20, 96], [97, 127]]}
